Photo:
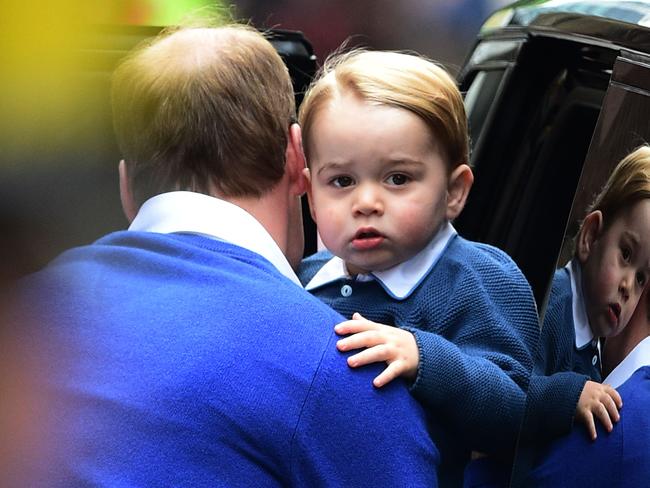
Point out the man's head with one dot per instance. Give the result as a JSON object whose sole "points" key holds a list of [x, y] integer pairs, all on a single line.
{"points": [[205, 110], [385, 135], [613, 245]]}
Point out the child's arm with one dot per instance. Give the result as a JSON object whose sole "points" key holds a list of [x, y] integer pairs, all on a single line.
{"points": [[463, 385], [381, 343], [598, 400]]}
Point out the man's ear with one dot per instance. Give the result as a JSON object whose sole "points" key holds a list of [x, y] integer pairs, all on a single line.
{"points": [[126, 196], [591, 228], [295, 161], [460, 183]]}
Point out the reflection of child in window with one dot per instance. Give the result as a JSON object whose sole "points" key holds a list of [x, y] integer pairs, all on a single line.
{"points": [[591, 298]]}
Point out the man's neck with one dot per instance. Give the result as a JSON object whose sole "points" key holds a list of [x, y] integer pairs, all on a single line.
{"points": [[274, 212]]}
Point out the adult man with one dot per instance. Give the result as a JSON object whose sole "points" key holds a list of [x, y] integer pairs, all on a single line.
{"points": [[619, 458], [183, 352]]}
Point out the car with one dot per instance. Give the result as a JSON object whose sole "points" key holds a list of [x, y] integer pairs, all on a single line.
{"points": [[557, 92]]}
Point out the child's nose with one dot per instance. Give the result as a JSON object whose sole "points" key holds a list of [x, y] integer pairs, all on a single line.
{"points": [[626, 284], [367, 201]]}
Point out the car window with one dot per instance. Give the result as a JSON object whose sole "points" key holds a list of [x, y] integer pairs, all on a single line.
{"points": [[622, 126], [531, 126]]}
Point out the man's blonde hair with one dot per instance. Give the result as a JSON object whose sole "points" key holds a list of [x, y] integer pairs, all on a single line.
{"points": [[628, 183], [407, 81], [203, 109]]}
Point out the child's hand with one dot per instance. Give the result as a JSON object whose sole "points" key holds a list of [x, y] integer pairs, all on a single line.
{"points": [[395, 346], [598, 400]]}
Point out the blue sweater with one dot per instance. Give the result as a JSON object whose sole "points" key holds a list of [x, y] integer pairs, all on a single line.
{"points": [[475, 323], [561, 369], [178, 360], [616, 459]]}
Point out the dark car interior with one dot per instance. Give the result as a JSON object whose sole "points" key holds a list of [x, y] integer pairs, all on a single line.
{"points": [[536, 97], [531, 128]]}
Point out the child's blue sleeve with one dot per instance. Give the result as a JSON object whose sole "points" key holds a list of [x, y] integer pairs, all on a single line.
{"points": [[551, 405], [476, 355]]}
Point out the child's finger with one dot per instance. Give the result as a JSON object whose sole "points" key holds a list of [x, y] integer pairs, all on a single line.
{"points": [[603, 415], [612, 408], [391, 372], [369, 338], [615, 396], [355, 325], [591, 426], [375, 354]]}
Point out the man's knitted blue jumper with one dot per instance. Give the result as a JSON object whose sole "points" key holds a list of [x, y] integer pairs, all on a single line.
{"points": [[180, 360], [616, 459], [476, 325]]}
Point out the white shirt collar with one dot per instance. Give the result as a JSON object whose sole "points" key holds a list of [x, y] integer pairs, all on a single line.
{"points": [[196, 213], [398, 281], [637, 358], [584, 334]]}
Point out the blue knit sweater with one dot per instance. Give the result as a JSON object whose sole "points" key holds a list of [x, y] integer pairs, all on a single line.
{"points": [[560, 373], [616, 459], [178, 360], [561, 369], [475, 323]]}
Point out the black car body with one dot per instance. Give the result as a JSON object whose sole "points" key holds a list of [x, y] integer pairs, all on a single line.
{"points": [[557, 92]]}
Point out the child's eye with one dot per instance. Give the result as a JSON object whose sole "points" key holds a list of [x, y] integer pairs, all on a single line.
{"points": [[641, 279], [398, 179], [626, 253], [342, 181]]}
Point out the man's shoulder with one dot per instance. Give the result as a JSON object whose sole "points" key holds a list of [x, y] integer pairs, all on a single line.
{"points": [[574, 460], [637, 385], [187, 263], [337, 445]]}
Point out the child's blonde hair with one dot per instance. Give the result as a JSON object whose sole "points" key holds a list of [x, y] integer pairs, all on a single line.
{"points": [[401, 80], [628, 183]]}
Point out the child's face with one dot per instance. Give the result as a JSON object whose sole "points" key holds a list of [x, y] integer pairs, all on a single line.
{"points": [[615, 266], [379, 186]]}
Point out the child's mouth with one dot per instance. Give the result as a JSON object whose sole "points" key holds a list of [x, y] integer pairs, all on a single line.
{"points": [[614, 313], [367, 238]]}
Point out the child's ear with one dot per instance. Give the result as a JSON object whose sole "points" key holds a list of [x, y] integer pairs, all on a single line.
{"points": [[460, 182], [307, 177], [591, 228]]}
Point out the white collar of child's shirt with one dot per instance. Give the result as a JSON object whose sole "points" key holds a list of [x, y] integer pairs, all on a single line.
{"points": [[196, 213], [584, 334], [637, 358], [398, 281]]}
